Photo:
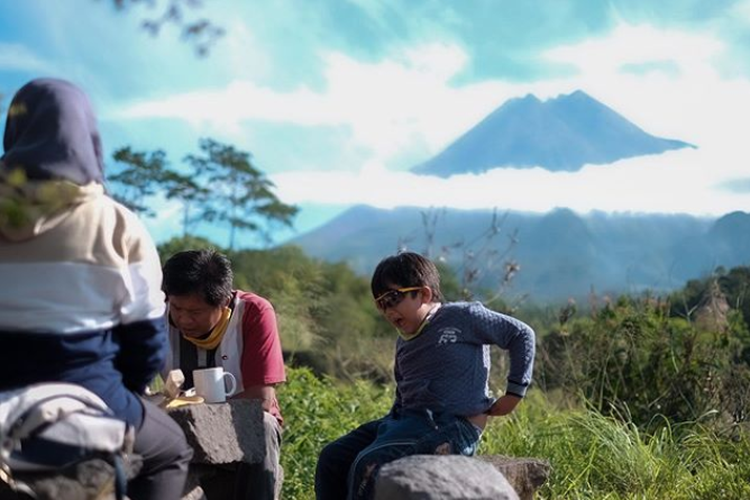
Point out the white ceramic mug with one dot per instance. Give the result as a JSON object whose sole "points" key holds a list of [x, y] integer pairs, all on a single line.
{"points": [[209, 384]]}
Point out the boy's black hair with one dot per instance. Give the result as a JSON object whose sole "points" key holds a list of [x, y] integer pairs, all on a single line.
{"points": [[406, 269], [207, 273]]}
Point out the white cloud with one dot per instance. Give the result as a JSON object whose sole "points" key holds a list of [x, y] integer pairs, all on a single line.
{"points": [[17, 57], [242, 51], [408, 100], [741, 10], [696, 105], [693, 104], [635, 44], [388, 105], [238, 102], [674, 182]]}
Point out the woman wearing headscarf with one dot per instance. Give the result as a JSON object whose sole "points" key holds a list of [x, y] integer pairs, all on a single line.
{"points": [[81, 299]]}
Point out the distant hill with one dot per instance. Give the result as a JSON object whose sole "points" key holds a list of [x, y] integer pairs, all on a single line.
{"points": [[560, 134], [561, 253]]}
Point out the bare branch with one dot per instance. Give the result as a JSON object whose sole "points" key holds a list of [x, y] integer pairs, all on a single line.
{"points": [[201, 33]]}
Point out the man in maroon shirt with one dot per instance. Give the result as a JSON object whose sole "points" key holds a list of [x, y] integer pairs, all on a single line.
{"points": [[212, 324]]}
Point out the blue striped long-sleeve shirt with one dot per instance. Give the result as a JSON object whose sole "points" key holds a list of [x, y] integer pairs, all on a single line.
{"points": [[447, 366]]}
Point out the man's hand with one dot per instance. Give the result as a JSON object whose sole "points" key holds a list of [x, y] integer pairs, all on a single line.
{"points": [[504, 405]]}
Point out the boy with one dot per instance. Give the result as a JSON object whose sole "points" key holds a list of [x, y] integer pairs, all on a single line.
{"points": [[442, 371]]}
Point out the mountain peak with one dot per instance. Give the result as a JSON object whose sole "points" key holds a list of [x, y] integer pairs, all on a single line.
{"points": [[559, 134], [576, 94], [530, 98]]}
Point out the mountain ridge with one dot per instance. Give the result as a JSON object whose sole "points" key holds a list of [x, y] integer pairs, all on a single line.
{"points": [[561, 253]]}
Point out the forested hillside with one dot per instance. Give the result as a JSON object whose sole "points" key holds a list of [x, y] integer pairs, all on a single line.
{"points": [[561, 253]]}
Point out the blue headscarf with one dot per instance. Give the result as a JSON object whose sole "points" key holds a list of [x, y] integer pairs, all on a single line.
{"points": [[51, 133]]}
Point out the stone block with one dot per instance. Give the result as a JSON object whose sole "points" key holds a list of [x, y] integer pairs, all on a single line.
{"points": [[223, 433]]}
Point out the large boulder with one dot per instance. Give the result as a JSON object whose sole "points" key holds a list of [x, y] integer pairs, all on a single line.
{"points": [[441, 477], [526, 475]]}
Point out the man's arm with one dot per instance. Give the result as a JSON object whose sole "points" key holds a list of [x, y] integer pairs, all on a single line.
{"points": [[262, 362], [266, 393]]}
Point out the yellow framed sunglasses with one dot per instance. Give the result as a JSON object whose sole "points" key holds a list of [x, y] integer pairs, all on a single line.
{"points": [[392, 298]]}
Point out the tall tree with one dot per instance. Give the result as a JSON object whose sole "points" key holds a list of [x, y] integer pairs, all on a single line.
{"points": [[140, 177], [241, 194], [191, 194]]}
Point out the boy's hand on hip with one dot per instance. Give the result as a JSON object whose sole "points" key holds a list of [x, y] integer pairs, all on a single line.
{"points": [[504, 405]]}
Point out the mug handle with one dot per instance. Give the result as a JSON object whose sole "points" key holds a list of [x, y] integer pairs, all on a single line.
{"points": [[233, 384]]}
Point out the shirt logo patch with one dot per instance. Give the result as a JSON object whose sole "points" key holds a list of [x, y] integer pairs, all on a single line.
{"points": [[449, 335]]}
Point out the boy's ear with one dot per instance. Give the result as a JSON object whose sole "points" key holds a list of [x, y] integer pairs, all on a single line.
{"points": [[426, 294]]}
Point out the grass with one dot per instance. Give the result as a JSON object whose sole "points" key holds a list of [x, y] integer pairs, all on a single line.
{"points": [[592, 456]]}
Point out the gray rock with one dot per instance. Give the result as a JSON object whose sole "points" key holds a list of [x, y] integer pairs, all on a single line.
{"points": [[223, 433], [526, 475], [441, 477], [195, 494]]}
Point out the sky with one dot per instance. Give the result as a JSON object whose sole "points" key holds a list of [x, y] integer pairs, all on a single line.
{"points": [[338, 99]]}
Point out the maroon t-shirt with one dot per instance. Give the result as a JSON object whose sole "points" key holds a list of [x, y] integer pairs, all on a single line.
{"points": [[262, 361]]}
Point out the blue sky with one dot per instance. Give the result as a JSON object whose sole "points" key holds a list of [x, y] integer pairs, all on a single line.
{"points": [[338, 99]]}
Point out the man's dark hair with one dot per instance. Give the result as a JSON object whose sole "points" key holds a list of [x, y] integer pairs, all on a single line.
{"points": [[207, 273], [406, 269]]}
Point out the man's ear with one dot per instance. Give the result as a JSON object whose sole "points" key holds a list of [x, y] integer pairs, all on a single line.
{"points": [[426, 294]]}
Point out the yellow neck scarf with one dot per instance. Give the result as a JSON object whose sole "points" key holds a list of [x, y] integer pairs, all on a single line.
{"points": [[213, 339], [424, 323]]}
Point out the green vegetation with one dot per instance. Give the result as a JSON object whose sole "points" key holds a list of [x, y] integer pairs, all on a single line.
{"points": [[595, 457], [634, 358], [317, 411], [635, 398], [592, 456]]}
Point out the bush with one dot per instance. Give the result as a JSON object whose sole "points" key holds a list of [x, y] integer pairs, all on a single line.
{"points": [[633, 359]]}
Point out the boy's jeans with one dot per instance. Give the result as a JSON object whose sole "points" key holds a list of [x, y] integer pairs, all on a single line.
{"points": [[347, 467]]}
